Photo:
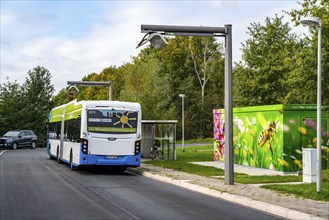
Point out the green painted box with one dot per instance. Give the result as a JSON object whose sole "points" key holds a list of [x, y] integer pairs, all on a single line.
{"points": [[272, 136]]}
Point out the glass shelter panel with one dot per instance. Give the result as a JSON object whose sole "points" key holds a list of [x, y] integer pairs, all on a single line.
{"points": [[159, 140]]}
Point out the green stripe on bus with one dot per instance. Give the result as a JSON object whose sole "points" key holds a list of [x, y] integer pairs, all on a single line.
{"points": [[109, 129], [73, 114]]}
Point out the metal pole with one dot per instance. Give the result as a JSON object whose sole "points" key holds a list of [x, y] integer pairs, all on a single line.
{"points": [[318, 136], [215, 32], [183, 146], [61, 143], [190, 30], [229, 168], [110, 92], [175, 153]]}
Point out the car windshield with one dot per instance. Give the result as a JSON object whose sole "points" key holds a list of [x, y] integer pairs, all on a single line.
{"points": [[12, 134]]}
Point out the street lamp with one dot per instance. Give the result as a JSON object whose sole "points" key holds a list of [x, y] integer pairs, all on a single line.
{"points": [[311, 21], [92, 83], [182, 96], [202, 31]]}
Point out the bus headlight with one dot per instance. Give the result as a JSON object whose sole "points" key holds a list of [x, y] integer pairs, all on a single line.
{"points": [[84, 144], [137, 147]]}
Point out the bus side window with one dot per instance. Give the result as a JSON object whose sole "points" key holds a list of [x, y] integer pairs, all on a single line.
{"points": [[76, 129], [58, 130], [73, 130]]}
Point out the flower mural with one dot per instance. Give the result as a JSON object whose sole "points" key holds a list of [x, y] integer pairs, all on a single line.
{"points": [[219, 126], [272, 137]]}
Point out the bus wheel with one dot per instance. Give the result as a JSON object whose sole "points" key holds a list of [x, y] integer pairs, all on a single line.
{"points": [[71, 162], [57, 156]]}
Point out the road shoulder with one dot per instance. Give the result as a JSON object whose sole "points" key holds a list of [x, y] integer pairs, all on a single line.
{"points": [[251, 196]]}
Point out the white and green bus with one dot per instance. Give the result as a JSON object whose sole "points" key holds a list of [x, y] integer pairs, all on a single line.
{"points": [[105, 133]]}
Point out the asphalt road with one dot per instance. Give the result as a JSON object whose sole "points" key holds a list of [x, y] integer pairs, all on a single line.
{"points": [[34, 187]]}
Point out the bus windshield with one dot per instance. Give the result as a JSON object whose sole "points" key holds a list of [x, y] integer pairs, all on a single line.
{"points": [[111, 121]]}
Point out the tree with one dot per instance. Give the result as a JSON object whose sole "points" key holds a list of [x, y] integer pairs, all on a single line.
{"points": [[11, 107], [179, 69], [307, 63], [268, 59], [204, 52], [144, 84], [61, 98], [155, 78], [38, 92]]}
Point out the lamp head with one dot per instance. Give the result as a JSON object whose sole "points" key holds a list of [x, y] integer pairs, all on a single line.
{"points": [[157, 40], [72, 89], [182, 95], [310, 21]]}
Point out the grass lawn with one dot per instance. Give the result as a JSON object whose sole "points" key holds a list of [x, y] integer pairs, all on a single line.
{"points": [[191, 154], [204, 153], [305, 190], [196, 141], [266, 179]]}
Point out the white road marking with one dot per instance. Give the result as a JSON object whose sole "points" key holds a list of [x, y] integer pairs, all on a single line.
{"points": [[2, 152]]}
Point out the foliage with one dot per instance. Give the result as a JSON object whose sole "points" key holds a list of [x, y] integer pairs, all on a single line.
{"points": [[61, 98], [147, 87], [268, 58], [306, 71], [155, 78], [112, 73], [278, 67], [38, 94], [11, 107], [27, 106], [204, 53], [178, 67]]}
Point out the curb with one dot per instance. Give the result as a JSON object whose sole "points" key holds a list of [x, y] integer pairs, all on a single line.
{"points": [[244, 201]]}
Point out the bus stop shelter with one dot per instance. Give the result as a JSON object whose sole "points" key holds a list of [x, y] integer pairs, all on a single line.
{"points": [[160, 135]]}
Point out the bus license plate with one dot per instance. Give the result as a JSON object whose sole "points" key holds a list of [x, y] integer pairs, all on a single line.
{"points": [[111, 157]]}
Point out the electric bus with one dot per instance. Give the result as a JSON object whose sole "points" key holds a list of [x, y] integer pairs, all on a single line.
{"points": [[100, 133]]}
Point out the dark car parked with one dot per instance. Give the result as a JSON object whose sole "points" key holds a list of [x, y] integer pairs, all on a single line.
{"points": [[19, 138]]}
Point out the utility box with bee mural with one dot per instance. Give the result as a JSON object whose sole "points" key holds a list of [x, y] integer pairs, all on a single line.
{"points": [[273, 136]]}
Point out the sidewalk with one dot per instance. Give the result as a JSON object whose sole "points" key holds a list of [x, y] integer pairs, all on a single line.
{"points": [[251, 171], [248, 195]]}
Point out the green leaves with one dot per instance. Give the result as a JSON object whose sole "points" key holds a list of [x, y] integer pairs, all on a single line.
{"points": [[27, 106], [155, 78], [277, 67], [304, 76]]}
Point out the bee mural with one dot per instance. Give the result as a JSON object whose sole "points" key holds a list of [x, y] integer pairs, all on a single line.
{"points": [[266, 136]]}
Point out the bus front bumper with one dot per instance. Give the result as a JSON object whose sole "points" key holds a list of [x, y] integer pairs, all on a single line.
{"points": [[128, 161]]}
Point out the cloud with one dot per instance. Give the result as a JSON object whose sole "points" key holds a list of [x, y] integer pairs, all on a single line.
{"points": [[73, 40]]}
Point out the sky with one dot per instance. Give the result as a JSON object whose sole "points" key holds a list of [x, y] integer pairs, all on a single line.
{"points": [[75, 38]]}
